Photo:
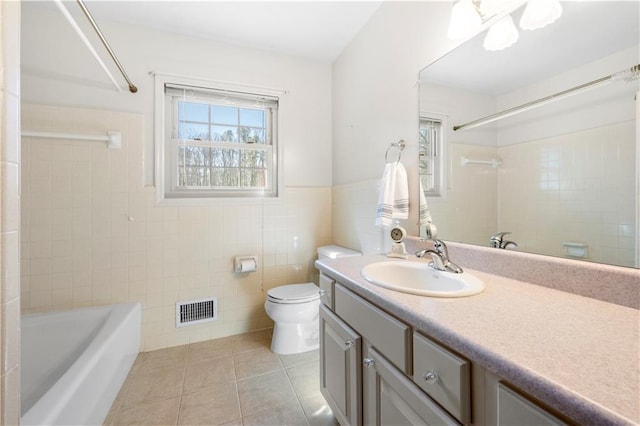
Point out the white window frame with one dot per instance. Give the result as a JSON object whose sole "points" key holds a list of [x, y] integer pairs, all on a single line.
{"points": [[441, 149], [166, 148]]}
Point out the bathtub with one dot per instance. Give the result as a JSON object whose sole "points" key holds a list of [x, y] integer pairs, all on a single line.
{"points": [[73, 363]]}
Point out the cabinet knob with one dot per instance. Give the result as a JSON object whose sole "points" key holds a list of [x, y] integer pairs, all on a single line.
{"points": [[322, 292], [431, 377], [348, 343], [368, 362]]}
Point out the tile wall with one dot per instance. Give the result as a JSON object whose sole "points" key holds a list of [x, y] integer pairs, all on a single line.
{"points": [[469, 210], [10, 212], [575, 185], [93, 234]]}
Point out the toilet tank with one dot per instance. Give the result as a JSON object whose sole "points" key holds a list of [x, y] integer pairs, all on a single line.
{"points": [[333, 252]]}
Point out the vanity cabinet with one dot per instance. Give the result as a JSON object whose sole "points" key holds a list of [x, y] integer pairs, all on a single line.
{"points": [[375, 370], [340, 372], [513, 408], [326, 285]]}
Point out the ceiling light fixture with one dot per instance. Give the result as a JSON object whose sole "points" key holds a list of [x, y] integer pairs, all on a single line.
{"points": [[540, 13], [501, 35], [465, 20], [468, 16]]}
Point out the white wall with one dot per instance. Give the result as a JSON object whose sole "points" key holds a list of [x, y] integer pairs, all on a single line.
{"points": [[58, 70], [375, 103]]}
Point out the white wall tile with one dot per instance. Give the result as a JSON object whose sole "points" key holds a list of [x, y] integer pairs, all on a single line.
{"points": [[110, 243]]}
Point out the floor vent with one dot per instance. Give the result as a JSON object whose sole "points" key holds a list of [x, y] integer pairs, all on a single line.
{"points": [[196, 311]]}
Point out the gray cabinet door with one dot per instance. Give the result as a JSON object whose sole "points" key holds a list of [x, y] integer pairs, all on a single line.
{"points": [[340, 372], [391, 398]]}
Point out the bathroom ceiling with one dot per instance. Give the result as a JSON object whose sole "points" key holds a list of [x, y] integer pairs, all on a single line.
{"points": [[312, 29]]}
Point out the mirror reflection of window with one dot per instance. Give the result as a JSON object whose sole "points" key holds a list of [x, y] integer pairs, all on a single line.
{"points": [[431, 155]]}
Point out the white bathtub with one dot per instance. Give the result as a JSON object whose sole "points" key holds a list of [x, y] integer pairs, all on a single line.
{"points": [[73, 363]]}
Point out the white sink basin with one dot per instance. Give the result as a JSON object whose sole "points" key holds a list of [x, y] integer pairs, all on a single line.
{"points": [[418, 278]]}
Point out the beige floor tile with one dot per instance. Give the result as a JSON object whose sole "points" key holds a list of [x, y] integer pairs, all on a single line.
{"points": [[214, 405], [291, 415], [254, 363], [218, 381], [301, 358], [174, 357], [210, 349], [251, 341], [318, 411], [161, 412], [150, 385], [208, 373], [265, 392], [305, 379]]}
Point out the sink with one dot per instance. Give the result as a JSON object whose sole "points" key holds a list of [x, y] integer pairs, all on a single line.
{"points": [[418, 278]]}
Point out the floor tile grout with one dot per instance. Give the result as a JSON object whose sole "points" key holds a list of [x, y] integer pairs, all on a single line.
{"points": [[254, 342]]}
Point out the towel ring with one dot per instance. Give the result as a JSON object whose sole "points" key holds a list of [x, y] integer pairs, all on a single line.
{"points": [[400, 146]]}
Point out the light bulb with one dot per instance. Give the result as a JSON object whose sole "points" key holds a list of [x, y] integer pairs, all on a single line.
{"points": [[501, 34], [540, 13], [465, 20]]}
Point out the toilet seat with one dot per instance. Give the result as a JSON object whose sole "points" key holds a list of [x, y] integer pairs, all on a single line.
{"points": [[294, 293]]}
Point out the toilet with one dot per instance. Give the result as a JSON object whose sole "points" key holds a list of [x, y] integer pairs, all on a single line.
{"points": [[294, 310]]}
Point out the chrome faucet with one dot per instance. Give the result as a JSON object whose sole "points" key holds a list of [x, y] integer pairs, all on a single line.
{"points": [[498, 241], [439, 257]]}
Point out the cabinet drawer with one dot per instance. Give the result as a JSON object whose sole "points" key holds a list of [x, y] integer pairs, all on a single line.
{"points": [[391, 398], [326, 290], [443, 375], [390, 336], [515, 409]]}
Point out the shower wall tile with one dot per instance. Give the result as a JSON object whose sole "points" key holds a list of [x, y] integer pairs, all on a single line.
{"points": [[97, 236], [10, 266], [578, 187]]}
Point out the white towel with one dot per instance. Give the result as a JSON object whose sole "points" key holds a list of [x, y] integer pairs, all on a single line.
{"points": [[425, 214], [393, 201]]}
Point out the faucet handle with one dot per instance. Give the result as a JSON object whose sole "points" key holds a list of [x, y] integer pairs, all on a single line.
{"points": [[499, 235]]}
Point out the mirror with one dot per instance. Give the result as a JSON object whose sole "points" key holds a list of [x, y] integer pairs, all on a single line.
{"points": [[561, 175]]}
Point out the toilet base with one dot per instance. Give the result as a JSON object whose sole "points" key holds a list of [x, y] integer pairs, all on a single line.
{"points": [[290, 339]]}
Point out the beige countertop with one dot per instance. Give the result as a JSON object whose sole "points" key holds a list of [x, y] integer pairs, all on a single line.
{"points": [[578, 355]]}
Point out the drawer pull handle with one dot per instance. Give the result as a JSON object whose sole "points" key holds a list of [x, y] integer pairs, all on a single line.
{"points": [[348, 343], [431, 377], [368, 362], [322, 292]]}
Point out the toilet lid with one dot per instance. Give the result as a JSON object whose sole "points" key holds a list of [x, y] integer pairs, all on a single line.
{"points": [[294, 293]]}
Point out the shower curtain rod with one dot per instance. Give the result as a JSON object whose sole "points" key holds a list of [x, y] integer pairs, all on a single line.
{"points": [[83, 37], [132, 87], [627, 75]]}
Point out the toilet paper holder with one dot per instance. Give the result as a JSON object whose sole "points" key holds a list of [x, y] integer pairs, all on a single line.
{"points": [[246, 263]]}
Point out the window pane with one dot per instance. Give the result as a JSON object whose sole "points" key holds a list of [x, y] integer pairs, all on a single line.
{"points": [[249, 135], [192, 111], [221, 157], [253, 178], [253, 159], [225, 177], [224, 134], [193, 131], [251, 117], [224, 115], [194, 155], [193, 176]]}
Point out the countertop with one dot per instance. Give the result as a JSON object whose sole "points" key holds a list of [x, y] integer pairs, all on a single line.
{"points": [[580, 356]]}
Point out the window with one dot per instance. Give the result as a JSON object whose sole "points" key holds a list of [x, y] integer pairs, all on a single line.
{"points": [[218, 143], [430, 153]]}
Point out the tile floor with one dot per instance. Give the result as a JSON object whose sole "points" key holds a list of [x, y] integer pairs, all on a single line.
{"points": [[235, 380]]}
